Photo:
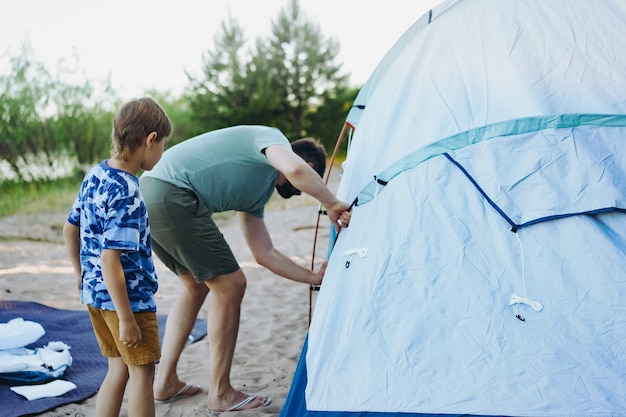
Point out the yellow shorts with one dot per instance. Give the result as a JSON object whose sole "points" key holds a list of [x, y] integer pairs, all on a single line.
{"points": [[106, 326]]}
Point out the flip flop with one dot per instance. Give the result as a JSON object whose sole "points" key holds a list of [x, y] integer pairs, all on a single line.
{"points": [[240, 406], [181, 393]]}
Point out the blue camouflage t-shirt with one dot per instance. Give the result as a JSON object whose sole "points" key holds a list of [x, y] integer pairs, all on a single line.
{"points": [[111, 214]]}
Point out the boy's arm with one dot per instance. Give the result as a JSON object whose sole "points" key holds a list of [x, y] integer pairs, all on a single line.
{"points": [[115, 282], [71, 235]]}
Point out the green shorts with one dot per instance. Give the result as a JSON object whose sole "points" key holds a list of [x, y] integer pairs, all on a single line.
{"points": [[106, 326], [184, 236]]}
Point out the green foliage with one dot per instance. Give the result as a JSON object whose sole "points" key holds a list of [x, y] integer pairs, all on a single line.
{"points": [[327, 120], [23, 99], [228, 94], [178, 109], [291, 80], [84, 130], [301, 64], [42, 117], [281, 81], [38, 196]]}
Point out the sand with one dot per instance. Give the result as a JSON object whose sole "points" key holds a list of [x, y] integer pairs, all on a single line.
{"points": [[34, 266]]}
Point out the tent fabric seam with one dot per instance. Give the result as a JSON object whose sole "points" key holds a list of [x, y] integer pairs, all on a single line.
{"points": [[487, 132]]}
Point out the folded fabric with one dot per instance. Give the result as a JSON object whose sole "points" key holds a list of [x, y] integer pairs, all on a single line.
{"points": [[51, 389], [27, 366], [38, 360]]}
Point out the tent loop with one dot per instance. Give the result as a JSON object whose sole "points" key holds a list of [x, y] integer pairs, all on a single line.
{"points": [[356, 251], [381, 182], [517, 299], [362, 252]]}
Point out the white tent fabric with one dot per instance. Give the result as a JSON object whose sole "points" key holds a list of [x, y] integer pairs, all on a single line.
{"points": [[479, 62], [483, 271]]}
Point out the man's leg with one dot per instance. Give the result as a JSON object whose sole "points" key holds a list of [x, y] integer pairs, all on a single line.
{"points": [[226, 295], [180, 321]]}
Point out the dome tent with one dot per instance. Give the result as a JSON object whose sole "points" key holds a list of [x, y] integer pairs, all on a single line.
{"points": [[483, 269]]}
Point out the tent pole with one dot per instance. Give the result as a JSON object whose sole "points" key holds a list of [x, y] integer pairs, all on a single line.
{"points": [[319, 214]]}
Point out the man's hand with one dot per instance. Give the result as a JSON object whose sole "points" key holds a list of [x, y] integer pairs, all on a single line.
{"points": [[319, 275], [336, 211], [344, 218]]}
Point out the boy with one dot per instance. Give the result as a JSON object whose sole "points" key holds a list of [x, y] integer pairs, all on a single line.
{"points": [[107, 235]]}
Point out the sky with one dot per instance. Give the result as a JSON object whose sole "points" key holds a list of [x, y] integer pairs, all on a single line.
{"points": [[149, 44]]}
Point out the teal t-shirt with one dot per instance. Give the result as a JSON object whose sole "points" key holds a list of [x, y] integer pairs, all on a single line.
{"points": [[226, 168]]}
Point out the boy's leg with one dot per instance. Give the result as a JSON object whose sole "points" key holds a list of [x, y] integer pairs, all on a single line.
{"points": [[136, 365], [140, 397], [111, 393], [141, 361]]}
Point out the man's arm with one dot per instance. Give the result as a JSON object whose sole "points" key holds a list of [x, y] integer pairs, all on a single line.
{"points": [[260, 244], [305, 179]]}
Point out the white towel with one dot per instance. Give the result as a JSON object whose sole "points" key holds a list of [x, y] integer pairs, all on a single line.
{"points": [[51, 389]]}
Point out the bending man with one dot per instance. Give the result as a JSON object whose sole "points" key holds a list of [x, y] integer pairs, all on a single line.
{"points": [[235, 168]]}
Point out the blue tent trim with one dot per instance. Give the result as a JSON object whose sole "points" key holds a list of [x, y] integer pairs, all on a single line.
{"points": [[484, 133]]}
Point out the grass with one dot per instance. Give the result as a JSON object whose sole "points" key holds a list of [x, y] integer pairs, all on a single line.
{"points": [[49, 196], [37, 197], [58, 195]]}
